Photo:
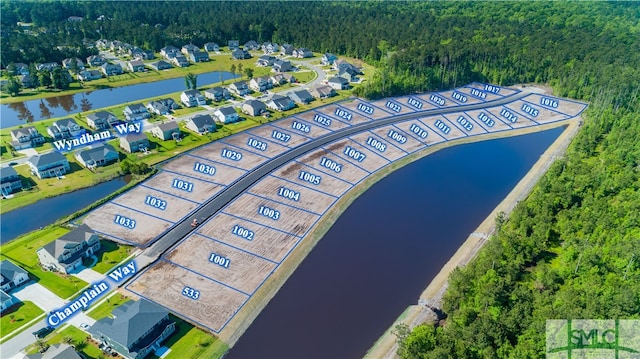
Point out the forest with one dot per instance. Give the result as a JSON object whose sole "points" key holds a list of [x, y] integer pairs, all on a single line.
{"points": [[570, 250]]}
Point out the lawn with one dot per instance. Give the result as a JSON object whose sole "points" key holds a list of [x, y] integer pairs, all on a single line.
{"points": [[189, 342], [18, 315], [109, 255], [77, 337], [106, 307]]}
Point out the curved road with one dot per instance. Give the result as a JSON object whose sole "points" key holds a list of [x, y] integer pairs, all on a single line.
{"points": [[213, 205]]}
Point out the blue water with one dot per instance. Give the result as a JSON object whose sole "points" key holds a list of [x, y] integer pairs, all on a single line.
{"points": [[15, 114], [385, 248]]}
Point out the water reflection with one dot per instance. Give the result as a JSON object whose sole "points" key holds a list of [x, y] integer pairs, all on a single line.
{"points": [[44, 110], [22, 113]]}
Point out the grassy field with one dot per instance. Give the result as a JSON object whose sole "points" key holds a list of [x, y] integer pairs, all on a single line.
{"points": [[106, 307], [18, 315], [76, 337], [189, 342], [109, 255]]}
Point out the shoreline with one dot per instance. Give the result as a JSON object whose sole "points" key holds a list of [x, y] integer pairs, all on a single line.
{"points": [[431, 297]]}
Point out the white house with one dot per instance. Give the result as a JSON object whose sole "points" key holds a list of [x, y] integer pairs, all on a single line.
{"points": [[65, 253], [12, 275], [226, 114], [201, 124], [192, 98]]}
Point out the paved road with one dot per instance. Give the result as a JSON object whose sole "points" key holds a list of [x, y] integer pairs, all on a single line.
{"points": [[319, 72], [213, 205]]}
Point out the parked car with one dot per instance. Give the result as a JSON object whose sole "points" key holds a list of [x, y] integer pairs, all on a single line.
{"points": [[43, 332]]}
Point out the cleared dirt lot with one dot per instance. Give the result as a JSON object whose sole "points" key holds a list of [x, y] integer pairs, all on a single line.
{"points": [[371, 162], [498, 124], [410, 144], [165, 282], [396, 105], [311, 118], [347, 171], [501, 91], [145, 228], [306, 198], [340, 112], [389, 151], [328, 184], [431, 121], [141, 199], [202, 190], [420, 128], [460, 97], [365, 109], [245, 272], [297, 125], [479, 93], [266, 148], [246, 160], [565, 106], [266, 242], [461, 120], [186, 165], [290, 140]]}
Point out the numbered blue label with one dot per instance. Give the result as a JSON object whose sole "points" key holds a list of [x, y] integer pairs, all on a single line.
{"points": [[465, 123], [418, 130], [376, 144], [155, 202], [484, 118], [415, 103], [393, 106], [397, 137], [231, 154], [300, 127], [355, 154], [437, 100], [203, 168], [332, 165], [548, 102], [530, 110], [289, 194], [308, 177], [344, 114], [366, 109], [269, 212], [459, 97], [223, 262], [242, 232], [259, 145], [126, 222], [183, 185], [478, 93], [280, 136], [324, 121], [491, 88], [508, 115], [191, 293], [442, 127]]}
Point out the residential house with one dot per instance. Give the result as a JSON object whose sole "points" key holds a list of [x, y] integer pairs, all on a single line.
{"points": [[163, 106], [261, 84], [281, 65], [342, 65], [240, 88], [49, 164], [265, 60], [27, 81], [26, 137], [302, 53], [201, 124], [169, 52], [290, 78], [9, 180], [65, 253], [323, 91], [57, 351], [144, 55], [89, 75], [253, 107], [47, 66], [98, 155], [338, 83], [278, 79], [134, 142], [166, 131], [189, 49], [240, 54], [136, 112], [180, 61], [251, 45], [135, 329], [270, 47], [286, 49], [280, 103], [217, 93], [68, 63], [211, 46], [96, 60], [21, 68], [233, 45], [226, 114], [328, 59], [349, 74], [65, 128], [192, 98], [102, 120], [301, 96], [136, 66], [199, 56], [12, 275], [74, 18], [111, 69], [160, 65], [6, 301]]}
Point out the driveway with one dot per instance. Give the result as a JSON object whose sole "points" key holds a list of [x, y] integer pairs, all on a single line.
{"points": [[89, 275], [40, 296]]}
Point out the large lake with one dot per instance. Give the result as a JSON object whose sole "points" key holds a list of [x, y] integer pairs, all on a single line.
{"points": [[19, 113], [385, 248]]}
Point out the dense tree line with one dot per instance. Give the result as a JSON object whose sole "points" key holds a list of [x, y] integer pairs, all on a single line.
{"points": [[571, 250]]}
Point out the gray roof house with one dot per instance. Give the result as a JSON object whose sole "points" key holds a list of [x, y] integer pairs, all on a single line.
{"points": [[49, 164], [136, 66], [270, 47], [65, 253], [240, 54], [201, 124], [265, 60], [217, 93], [89, 75], [286, 49], [136, 112], [301, 96], [328, 59], [97, 155], [134, 142], [341, 65], [6, 301], [211, 46], [192, 98], [180, 61], [253, 107], [162, 106], [188, 49], [26, 81], [261, 84], [302, 53], [323, 91], [251, 45], [57, 351], [169, 52], [26, 137], [12, 275], [166, 131], [102, 120], [136, 329], [233, 45], [48, 66], [240, 88], [226, 114], [281, 65], [65, 128], [111, 69], [160, 65], [199, 56], [338, 83], [68, 62], [280, 103], [349, 74], [9, 180], [96, 60]]}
